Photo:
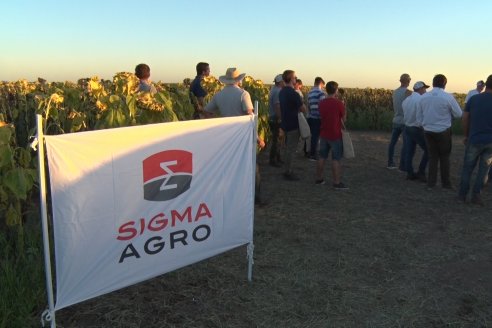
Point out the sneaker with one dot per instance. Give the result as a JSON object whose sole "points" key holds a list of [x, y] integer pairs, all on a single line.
{"points": [[260, 203], [477, 200], [340, 186], [422, 177], [461, 199], [391, 167], [320, 182], [448, 187], [313, 158], [290, 176], [412, 177]]}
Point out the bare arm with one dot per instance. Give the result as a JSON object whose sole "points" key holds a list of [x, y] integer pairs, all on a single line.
{"points": [[303, 109], [201, 103]]}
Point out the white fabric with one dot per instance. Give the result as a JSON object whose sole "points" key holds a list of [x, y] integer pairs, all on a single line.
{"points": [[409, 106], [101, 219], [436, 110], [304, 129]]}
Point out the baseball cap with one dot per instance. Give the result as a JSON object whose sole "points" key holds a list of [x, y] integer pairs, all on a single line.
{"points": [[480, 83], [278, 78], [419, 85]]}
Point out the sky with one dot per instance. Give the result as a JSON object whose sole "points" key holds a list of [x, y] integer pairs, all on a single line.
{"points": [[354, 42]]}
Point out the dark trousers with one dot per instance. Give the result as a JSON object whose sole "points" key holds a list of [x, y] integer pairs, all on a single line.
{"points": [[439, 148], [314, 125], [258, 195], [414, 137], [274, 149], [395, 135]]}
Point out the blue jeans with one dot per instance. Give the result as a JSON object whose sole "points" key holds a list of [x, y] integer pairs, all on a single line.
{"points": [[473, 154], [314, 125], [395, 134], [414, 137], [336, 147]]}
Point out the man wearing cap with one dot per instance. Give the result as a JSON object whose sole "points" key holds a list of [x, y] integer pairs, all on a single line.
{"points": [[197, 92], [290, 105], [315, 95], [398, 125], [435, 112], [234, 101], [476, 91], [414, 135], [274, 119], [477, 129]]}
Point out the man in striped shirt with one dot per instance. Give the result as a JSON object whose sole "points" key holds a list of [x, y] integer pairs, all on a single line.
{"points": [[315, 95]]}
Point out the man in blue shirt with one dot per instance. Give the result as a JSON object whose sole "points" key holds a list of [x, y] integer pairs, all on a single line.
{"points": [[197, 93], [290, 105], [274, 119], [477, 129]]}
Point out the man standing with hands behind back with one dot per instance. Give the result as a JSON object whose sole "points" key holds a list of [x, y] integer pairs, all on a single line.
{"points": [[435, 114]]}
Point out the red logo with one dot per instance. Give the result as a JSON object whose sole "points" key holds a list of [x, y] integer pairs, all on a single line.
{"points": [[167, 174]]}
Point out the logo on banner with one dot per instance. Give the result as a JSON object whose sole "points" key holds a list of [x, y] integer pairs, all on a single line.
{"points": [[167, 174]]}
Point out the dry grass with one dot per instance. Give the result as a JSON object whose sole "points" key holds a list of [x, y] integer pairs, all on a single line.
{"points": [[386, 253]]}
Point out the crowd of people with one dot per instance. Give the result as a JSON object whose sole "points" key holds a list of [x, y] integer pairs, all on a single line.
{"points": [[425, 119], [422, 118]]}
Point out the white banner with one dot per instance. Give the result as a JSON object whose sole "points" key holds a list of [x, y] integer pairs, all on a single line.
{"points": [[133, 203]]}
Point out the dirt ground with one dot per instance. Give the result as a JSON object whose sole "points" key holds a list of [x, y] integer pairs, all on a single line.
{"points": [[386, 253]]}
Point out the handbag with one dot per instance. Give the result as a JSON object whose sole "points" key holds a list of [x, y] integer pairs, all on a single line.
{"points": [[304, 129], [348, 147]]}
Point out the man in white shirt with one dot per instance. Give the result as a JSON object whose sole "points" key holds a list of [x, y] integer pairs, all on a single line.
{"points": [[476, 91], [414, 132], [435, 113]]}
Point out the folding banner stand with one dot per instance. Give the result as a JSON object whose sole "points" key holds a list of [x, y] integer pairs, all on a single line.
{"points": [[251, 246], [49, 314]]}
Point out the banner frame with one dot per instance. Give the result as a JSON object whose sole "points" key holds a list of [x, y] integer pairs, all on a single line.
{"points": [[49, 314]]}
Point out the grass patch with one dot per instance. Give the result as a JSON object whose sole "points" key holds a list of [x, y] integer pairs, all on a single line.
{"points": [[22, 282]]}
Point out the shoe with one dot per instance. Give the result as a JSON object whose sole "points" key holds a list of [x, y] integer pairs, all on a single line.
{"points": [[340, 186], [402, 171], [275, 164], [320, 182], [313, 158], [260, 203], [421, 177], [412, 177], [461, 199], [477, 200], [290, 176], [447, 186], [391, 167]]}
